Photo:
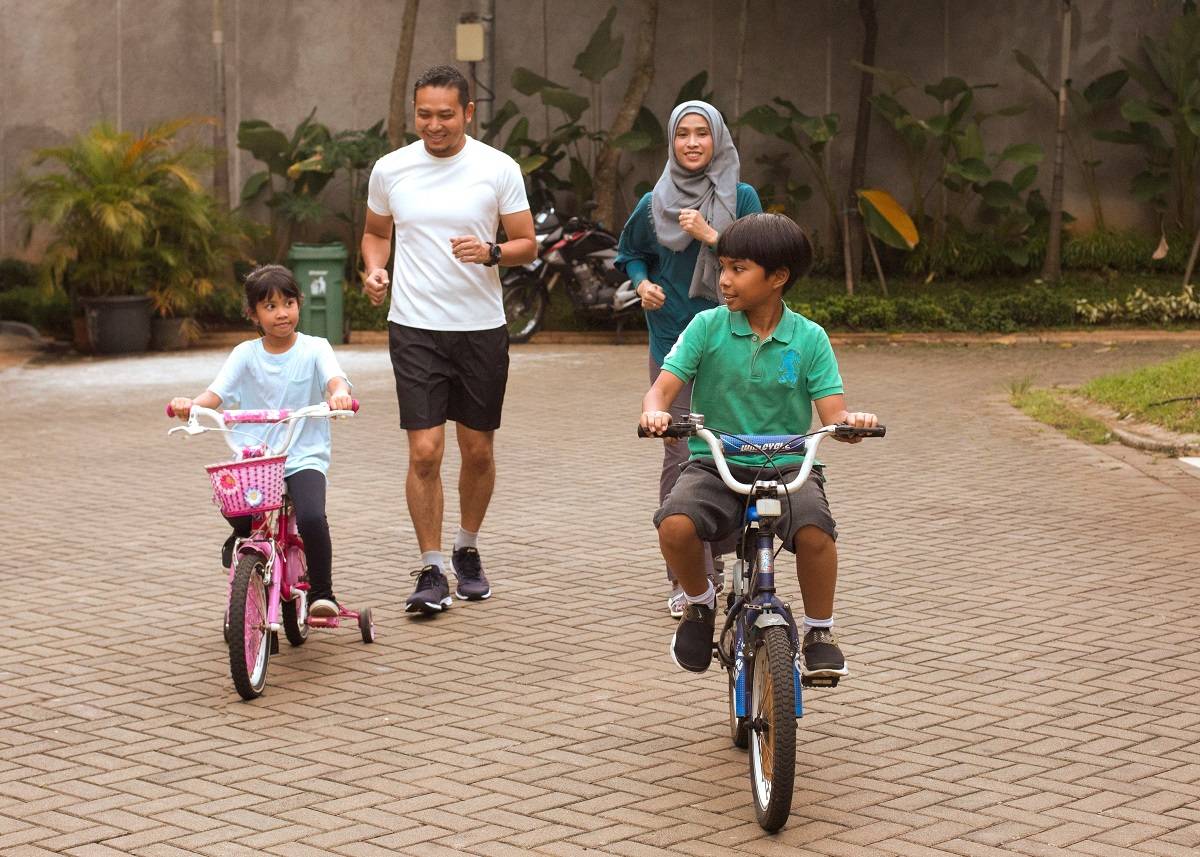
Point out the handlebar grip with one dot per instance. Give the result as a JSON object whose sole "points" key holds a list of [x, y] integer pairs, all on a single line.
{"points": [[673, 430], [354, 405], [170, 410], [853, 431]]}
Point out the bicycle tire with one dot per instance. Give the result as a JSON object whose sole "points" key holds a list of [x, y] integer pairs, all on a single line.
{"points": [[295, 618], [250, 637], [772, 721]]}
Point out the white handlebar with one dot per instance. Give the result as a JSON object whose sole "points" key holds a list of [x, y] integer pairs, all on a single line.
{"points": [[195, 426], [810, 457]]}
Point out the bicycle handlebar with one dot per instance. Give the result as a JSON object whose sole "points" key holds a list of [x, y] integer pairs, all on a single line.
{"points": [[694, 427], [234, 416]]}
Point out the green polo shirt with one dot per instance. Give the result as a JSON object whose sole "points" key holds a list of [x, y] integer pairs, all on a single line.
{"points": [[745, 386]]}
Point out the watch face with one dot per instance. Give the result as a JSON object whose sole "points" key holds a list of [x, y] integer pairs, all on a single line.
{"points": [[495, 253]]}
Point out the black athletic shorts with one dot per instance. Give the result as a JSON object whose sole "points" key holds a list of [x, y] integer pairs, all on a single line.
{"points": [[457, 375]]}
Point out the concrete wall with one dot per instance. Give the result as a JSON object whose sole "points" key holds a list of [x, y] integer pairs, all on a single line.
{"points": [[65, 64]]}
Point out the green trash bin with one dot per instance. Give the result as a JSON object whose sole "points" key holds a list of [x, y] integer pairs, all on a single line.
{"points": [[318, 269]]}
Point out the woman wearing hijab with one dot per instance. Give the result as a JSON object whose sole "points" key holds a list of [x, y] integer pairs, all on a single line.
{"points": [[668, 251]]}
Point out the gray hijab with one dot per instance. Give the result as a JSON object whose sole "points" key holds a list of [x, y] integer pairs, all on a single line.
{"points": [[712, 192]]}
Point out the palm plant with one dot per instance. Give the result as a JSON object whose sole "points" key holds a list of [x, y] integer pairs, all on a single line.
{"points": [[117, 205]]}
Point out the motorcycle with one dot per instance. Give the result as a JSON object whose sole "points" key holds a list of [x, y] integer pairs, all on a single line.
{"points": [[579, 254]]}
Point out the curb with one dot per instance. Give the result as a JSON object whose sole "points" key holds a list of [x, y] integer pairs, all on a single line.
{"points": [[1144, 436]]}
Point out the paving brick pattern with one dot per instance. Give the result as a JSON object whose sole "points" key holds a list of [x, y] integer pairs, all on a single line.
{"points": [[1020, 612]]}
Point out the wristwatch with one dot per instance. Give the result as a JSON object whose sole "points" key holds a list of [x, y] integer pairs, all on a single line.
{"points": [[493, 255]]}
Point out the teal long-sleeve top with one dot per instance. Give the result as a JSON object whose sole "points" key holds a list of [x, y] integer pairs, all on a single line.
{"points": [[641, 257]]}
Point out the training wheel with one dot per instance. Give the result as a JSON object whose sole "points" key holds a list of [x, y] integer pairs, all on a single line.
{"points": [[366, 626]]}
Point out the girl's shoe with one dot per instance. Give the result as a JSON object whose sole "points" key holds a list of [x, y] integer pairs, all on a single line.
{"points": [[324, 608]]}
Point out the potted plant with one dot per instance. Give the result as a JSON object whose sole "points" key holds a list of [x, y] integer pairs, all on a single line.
{"points": [[105, 206], [187, 261]]}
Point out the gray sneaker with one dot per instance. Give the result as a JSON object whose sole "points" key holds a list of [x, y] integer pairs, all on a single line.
{"points": [[432, 594], [468, 569]]}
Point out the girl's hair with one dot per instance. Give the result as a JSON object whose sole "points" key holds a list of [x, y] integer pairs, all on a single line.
{"points": [[266, 280], [773, 241]]}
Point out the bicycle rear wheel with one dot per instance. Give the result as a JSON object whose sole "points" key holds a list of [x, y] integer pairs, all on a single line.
{"points": [[250, 636], [772, 723]]}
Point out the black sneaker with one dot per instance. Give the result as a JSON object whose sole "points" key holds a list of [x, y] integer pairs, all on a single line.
{"points": [[822, 657], [432, 594], [692, 645], [468, 569]]}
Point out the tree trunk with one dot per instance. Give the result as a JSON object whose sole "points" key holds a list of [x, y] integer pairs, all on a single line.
{"points": [[853, 235], [398, 106], [1052, 268], [739, 68], [220, 144], [606, 178]]}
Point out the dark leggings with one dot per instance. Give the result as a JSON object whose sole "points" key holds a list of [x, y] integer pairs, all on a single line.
{"points": [[307, 490]]}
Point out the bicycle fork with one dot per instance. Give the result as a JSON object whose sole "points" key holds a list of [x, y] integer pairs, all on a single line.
{"points": [[762, 611]]}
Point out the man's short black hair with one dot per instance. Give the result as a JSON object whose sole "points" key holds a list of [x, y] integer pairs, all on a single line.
{"points": [[447, 76], [267, 280], [773, 241]]}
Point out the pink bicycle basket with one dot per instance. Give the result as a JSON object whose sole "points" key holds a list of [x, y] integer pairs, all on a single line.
{"points": [[248, 487]]}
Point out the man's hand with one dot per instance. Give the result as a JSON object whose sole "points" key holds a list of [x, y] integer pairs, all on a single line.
{"points": [[375, 284], [655, 422], [652, 295], [469, 249], [693, 223], [858, 420]]}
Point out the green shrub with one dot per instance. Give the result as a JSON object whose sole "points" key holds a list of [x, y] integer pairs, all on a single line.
{"points": [[362, 315], [49, 313], [1142, 308], [14, 274]]}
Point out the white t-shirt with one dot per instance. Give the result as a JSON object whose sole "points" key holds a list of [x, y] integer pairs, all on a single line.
{"points": [[431, 200], [254, 378]]}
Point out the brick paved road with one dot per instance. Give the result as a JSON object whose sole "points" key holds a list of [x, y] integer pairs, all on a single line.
{"points": [[997, 581]]}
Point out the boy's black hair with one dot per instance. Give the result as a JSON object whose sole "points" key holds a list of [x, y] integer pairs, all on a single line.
{"points": [[773, 241], [266, 280], [447, 76]]}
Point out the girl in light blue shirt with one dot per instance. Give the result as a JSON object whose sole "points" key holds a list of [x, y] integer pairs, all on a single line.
{"points": [[285, 369]]}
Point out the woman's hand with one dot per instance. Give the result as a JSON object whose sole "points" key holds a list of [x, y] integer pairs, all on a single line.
{"points": [[652, 295], [693, 223]]}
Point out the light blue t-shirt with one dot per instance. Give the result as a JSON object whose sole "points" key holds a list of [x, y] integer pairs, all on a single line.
{"points": [[252, 377]]}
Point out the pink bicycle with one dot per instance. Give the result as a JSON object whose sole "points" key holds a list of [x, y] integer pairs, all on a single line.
{"points": [[268, 588]]}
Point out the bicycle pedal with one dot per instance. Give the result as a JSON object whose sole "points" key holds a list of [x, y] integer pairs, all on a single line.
{"points": [[819, 681]]}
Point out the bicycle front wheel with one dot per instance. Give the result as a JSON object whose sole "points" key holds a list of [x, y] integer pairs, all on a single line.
{"points": [[249, 633], [772, 723]]}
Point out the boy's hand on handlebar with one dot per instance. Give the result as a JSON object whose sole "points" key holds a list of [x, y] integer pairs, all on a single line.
{"points": [[655, 422], [182, 406], [858, 420], [652, 295], [375, 284]]}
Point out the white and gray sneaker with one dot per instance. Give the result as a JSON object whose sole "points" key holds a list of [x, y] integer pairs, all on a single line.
{"points": [[677, 603]]}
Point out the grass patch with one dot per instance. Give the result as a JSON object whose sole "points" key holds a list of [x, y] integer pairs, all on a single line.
{"points": [[1047, 407], [1143, 392]]}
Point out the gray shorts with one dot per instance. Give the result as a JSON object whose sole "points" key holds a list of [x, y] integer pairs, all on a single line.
{"points": [[719, 513]]}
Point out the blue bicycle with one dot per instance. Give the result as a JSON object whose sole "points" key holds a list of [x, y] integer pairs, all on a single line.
{"points": [[759, 644]]}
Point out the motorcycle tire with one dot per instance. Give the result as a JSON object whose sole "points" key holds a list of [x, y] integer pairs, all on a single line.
{"points": [[525, 302]]}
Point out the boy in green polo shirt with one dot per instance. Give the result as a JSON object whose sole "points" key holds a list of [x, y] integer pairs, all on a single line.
{"points": [[759, 368]]}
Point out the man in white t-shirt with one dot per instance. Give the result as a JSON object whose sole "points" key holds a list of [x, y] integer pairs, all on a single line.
{"points": [[445, 197]]}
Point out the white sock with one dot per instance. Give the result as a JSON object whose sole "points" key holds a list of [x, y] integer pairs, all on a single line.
{"points": [[708, 598], [465, 539], [816, 623], [434, 558]]}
